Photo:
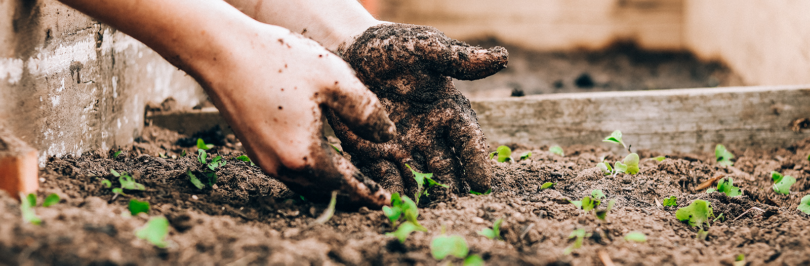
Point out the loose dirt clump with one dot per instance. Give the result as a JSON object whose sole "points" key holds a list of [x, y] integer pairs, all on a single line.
{"points": [[249, 218]]}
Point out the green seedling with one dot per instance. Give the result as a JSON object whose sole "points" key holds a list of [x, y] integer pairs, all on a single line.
{"points": [[782, 183], [494, 232], [547, 185], [155, 231], [615, 137], [602, 214], [115, 155], [719, 217], [27, 205], [194, 180], [201, 145], [660, 158], [327, 214], [336, 149], [183, 154], [723, 156], [598, 194], [210, 168], [127, 182], [421, 181], [473, 260], [702, 234], [404, 230], [51, 200], [162, 155], [480, 193], [727, 186], [443, 246], [697, 213], [137, 206], [525, 155], [804, 206], [636, 236], [580, 236], [739, 260], [245, 158], [605, 167], [628, 165], [672, 201], [402, 207], [556, 150], [504, 154], [106, 183], [590, 202]]}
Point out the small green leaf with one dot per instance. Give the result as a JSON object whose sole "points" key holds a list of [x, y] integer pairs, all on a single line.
{"points": [[636, 236], [783, 186], [245, 158], [620, 167], [183, 154], [479, 193], [115, 173], [597, 194], [580, 235], [162, 155], [118, 191], [201, 145], [137, 206], [27, 205], [577, 203], [491, 155], [329, 210], [670, 202], [602, 214], [504, 154], [404, 230], [556, 150], [660, 158], [710, 190], [615, 137], [393, 213], [740, 260], [106, 183], [546, 185], [443, 246], [697, 213], [494, 233], [115, 155], [631, 163], [589, 203], [804, 206], [127, 182], [723, 156], [155, 231], [201, 156], [776, 176], [727, 186], [473, 260], [194, 180], [525, 155], [605, 168], [336, 149], [51, 200]]}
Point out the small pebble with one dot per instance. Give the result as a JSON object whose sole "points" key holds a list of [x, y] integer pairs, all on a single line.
{"points": [[215, 186], [194, 197], [42, 179], [477, 220]]}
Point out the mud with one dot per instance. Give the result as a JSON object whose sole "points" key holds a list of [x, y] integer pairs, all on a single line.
{"points": [[619, 67], [251, 219], [410, 68]]}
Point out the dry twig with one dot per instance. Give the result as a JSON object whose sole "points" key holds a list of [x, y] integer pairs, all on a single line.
{"points": [[605, 258]]}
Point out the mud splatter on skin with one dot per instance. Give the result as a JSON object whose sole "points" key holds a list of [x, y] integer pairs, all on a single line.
{"points": [[410, 68]]}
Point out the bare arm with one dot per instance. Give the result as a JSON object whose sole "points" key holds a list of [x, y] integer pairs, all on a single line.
{"points": [[329, 22]]}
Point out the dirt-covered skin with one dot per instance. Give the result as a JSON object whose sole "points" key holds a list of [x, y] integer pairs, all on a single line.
{"points": [[252, 219], [410, 68]]}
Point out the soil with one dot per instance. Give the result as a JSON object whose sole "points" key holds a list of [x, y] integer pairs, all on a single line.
{"points": [[252, 219], [619, 67]]}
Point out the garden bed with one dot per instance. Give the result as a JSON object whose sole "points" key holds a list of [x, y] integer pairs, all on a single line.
{"points": [[250, 219]]}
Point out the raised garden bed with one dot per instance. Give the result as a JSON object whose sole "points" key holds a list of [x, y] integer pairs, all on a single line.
{"points": [[250, 219]]}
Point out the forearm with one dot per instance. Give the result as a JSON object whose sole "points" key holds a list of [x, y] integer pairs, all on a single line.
{"points": [[329, 22]]}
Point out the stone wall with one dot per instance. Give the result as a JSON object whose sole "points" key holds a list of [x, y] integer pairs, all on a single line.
{"points": [[69, 84]]}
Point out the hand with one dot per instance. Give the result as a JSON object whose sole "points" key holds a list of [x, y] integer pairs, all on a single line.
{"points": [[271, 86], [410, 68]]}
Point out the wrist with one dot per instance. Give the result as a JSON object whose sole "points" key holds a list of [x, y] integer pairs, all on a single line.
{"points": [[342, 37]]}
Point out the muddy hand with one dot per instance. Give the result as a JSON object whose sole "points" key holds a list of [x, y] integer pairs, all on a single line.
{"points": [[410, 69]]}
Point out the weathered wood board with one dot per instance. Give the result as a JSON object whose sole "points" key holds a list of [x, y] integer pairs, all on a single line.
{"points": [[683, 120]]}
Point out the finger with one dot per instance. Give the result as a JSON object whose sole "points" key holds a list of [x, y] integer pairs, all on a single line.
{"points": [[471, 62], [443, 165], [356, 145], [471, 147], [386, 174], [328, 171], [359, 109]]}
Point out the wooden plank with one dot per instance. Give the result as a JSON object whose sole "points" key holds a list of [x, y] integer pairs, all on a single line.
{"points": [[684, 120], [18, 165]]}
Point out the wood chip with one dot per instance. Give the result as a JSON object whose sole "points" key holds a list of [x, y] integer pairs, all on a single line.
{"points": [[605, 258], [709, 182]]}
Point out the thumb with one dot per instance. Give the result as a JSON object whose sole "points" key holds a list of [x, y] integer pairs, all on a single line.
{"points": [[471, 62], [360, 110]]}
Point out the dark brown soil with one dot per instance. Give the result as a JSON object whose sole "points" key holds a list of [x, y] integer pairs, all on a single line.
{"points": [[251, 219], [620, 67]]}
